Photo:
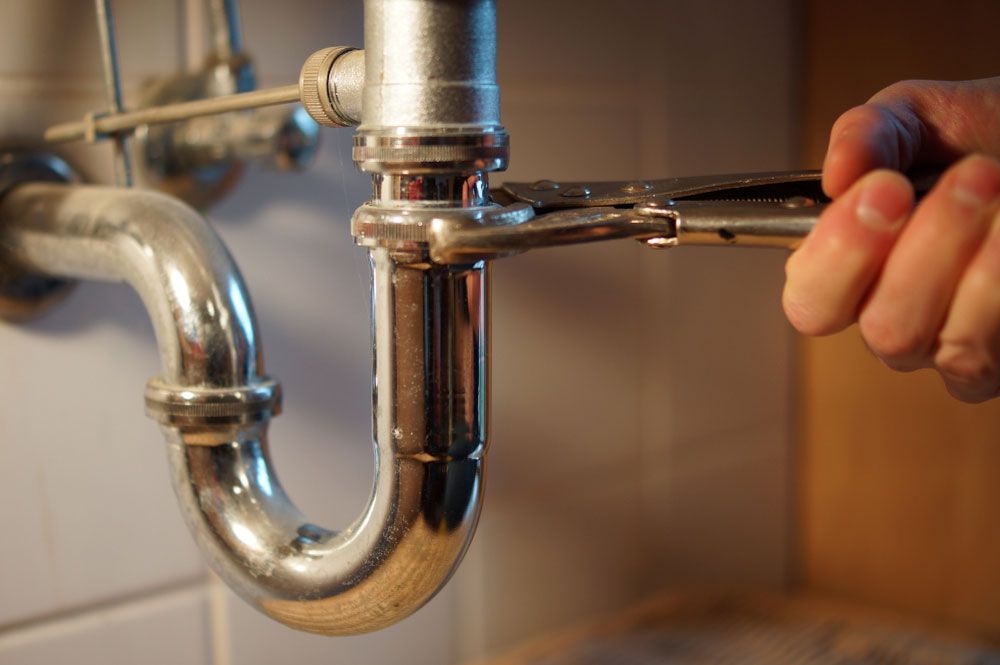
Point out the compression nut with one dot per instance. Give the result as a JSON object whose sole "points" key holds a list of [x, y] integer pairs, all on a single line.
{"points": [[211, 416], [318, 91]]}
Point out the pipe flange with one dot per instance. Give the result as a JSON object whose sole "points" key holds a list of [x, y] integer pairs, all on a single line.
{"points": [[376, 226], [25, 295], [212, 411], [433, 152]]}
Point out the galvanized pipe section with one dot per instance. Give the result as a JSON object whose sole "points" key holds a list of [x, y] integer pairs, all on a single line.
{"points": [[346, 82], [430, 124], [431, 104], [430, 407], [431, 64]]}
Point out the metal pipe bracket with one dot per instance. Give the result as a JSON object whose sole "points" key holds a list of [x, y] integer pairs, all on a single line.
{"points": [[25, 294]]}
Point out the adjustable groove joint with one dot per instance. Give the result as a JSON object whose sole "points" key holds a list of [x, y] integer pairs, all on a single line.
{"points": [[330, 101], [209, 409]]}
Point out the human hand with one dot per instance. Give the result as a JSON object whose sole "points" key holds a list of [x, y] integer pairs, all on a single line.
{"points": [[922, 282]]}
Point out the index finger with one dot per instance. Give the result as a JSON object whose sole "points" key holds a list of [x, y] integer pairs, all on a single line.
{"points": [[867, 138]]}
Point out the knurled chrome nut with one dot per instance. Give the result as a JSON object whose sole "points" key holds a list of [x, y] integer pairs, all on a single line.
{"points": [[486, 149], [413, 228], [314, 88], [218, 411]]}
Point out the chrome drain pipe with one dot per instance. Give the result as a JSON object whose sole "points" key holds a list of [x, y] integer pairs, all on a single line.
{"points": [[429, 135], [214, 402], [429, 434]]}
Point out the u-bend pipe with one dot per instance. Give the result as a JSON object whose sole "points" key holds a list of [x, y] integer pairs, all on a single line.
{"points": [[430, 132], [214, 400]]}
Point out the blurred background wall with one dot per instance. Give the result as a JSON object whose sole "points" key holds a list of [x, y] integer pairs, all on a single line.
{"points": [[643, 401]]}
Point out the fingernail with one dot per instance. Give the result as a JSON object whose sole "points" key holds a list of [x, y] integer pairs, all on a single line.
{"points": [[877, 211], [976, 184]]}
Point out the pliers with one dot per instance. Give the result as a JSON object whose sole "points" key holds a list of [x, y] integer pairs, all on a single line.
{"points": [[761, 209]]}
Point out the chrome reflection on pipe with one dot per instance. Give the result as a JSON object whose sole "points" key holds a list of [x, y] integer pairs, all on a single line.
{"points": [[430, 432], [430, 64], [430, 402], [184, 275]]}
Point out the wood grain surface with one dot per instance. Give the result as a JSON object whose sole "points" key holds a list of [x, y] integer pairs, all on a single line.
{"points": [[899, 485]]}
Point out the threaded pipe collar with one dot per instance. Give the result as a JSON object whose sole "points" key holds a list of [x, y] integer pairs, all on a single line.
{"points": [[316, 92], [432, 151], [213, 412], [377, 226]]}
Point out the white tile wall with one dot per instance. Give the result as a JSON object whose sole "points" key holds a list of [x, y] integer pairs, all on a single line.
{"points": [[82, 472], [716, 381], [640, 398], [160, 629]]}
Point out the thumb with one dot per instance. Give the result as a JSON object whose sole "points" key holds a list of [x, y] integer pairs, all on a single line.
{"points": [[913, 122]]}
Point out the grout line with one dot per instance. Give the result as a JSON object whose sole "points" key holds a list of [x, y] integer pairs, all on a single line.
{"points": [[219, 624], [102, 612]]}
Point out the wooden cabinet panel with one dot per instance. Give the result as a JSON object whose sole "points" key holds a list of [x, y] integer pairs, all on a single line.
{"points": [[899, 491]]}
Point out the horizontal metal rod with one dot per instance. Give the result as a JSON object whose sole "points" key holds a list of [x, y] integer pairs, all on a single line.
{"points": [[120, 122]]}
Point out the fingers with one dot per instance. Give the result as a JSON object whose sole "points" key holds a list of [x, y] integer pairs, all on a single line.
{"points": [[923, 284], [829, 275], [967, 357], [908, 305], [933, 122], [866, 138], [925, 287]]}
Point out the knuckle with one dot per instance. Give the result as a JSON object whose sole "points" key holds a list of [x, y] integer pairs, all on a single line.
{"points": [[973, 166], [965, 363], [906, 90], [963, 393], [959, 201], [980, 162], [863, 114], [896, 344]]}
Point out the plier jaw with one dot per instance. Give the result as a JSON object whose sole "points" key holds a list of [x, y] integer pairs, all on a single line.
{"points": [[765, 209]]}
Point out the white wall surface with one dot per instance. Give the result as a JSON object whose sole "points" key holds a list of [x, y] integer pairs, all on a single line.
{"points": [[641, 399]]}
